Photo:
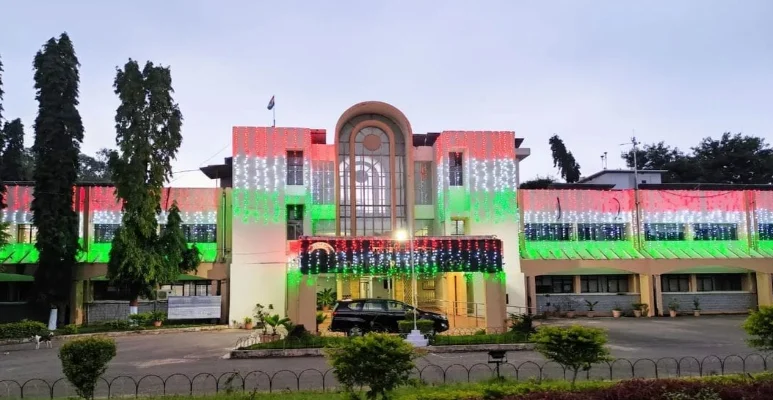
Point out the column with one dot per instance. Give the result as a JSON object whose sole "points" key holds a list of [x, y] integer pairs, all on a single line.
{"points": [[577, 284], [531, 284], [496, 312], [658, 294], [764, 289], [76, 303], [645, 291]]}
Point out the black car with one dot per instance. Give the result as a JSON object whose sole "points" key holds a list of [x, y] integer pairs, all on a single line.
{"points": [[355, 317]]}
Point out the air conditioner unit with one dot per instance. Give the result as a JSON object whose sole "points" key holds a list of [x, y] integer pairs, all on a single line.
{"points": [[163, 294]]}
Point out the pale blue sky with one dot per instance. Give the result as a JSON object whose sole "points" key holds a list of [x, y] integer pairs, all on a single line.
{"points": [[590, 71]]}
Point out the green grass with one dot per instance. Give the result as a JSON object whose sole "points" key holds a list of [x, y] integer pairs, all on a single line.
{"points": [[494, 389], [491, 338], [111, 327], [304, 342]]}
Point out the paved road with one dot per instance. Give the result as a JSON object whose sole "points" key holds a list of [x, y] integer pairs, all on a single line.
{"points": [[202, 353]]}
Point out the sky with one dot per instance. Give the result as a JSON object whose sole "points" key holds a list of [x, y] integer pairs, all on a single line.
{"points": [[593, 72]]}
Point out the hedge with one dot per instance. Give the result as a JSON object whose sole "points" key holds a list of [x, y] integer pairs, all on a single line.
{"points": [[22, 330]]}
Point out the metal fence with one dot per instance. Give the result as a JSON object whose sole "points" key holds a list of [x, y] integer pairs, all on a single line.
{"points": [[314, 379]]}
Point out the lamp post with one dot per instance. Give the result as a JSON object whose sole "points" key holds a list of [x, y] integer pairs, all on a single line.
{"points": [[415, 337]]}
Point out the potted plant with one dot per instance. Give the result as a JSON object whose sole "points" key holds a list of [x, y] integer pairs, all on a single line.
{"points": [[645, 309], [571, 306], [637, 309], [262, 313], [325, 299], [248, 323], [590, 305], [673, 307], [275, 321], [321, 318], [696, 306], [158, 318], [617, 311]]}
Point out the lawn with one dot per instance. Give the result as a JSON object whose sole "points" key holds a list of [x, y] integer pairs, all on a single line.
{"points": [[724, 387]]}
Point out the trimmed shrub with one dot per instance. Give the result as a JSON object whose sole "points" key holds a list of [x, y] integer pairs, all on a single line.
{"points": [[380, 362], [425, 326], [22, 330], [759, 325], [574, 348], [70, 329], [84, 361]]}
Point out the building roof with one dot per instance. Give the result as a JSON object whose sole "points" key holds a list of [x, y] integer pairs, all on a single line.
{"points": [[620, 171], [219, 171], [703, 186]]}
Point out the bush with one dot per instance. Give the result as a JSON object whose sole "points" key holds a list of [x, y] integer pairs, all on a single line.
{"points": [[522, 323], [141, 319], [70, 329], [118, 325], [154, 316], [22, 330], [574, 348], [379, 361], [84, 361], [759, 325], [425, 326]]}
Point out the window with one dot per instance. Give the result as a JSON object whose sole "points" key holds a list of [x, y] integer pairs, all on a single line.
{"points": [[395, 306], [601, 232], [294, 221], [422, 227], [549, 232], [323, 182], [104, 233], [455, 169], [554, 284], [675, 283], [26, 233], [188, 288], [374, 306], [200, 233], [663, 232], [324, 227], [422, 182], [295, 167], [715, 231], [604, 284], [457, 227], [354, 306], [719, 282], [766, 231]]}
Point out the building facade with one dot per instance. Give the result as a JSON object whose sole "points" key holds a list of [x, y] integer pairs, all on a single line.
{"points": [[297, 213]]}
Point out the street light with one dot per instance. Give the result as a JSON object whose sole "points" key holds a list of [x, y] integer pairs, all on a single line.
{"points": [[415, 337]]}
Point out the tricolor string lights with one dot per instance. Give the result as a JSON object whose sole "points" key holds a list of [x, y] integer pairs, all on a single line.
{"points": [[488, 176], [380, 256]]}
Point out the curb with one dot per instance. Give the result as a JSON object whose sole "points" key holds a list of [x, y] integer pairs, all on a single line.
{"points": [[317, 352], [124, 333]]}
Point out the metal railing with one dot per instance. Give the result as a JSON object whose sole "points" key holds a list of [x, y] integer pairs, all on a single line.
{"points": [[315, 379]]}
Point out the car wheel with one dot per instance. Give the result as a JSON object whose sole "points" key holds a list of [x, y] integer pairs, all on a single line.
{"points": [[354, 331]]}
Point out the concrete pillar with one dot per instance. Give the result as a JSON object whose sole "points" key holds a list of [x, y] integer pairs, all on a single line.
{"points": [[532, 285], [302, 303], [341, 288], [577, 284], [658, 294], [646, 292], [693, 283], [764, 289], [496, 311], [224, 301]]}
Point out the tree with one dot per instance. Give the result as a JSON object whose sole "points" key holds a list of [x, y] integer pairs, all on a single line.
{"points": [[175, 247], [58, 135], [4, 236], [1, 89], [564, 160], [148, 136], [759, 326], [28, 164], [94, 169], [13, 156], [537, 183], [574, 347], [732, 159]]}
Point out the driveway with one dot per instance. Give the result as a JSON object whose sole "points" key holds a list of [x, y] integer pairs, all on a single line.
{"points": [[202, 358]]}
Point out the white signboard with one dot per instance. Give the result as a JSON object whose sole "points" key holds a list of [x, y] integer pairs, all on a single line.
{"points": [[194, 307]]}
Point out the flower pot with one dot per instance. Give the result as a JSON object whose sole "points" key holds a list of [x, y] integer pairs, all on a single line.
{"points": [[156, 323], [637, 313], [265, 338], [617, 313], [697, 313], [248, 326], [570, 314], [672, 313], [590, 314]]}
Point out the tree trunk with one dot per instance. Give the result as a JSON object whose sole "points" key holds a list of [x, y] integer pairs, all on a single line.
{"points": [[574, 376], [134, 307]]}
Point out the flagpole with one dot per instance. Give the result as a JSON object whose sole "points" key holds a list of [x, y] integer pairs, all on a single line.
{"points": [[273, 111]]}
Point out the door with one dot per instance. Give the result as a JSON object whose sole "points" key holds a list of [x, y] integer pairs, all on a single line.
{"points": [[365, 288], [470, 297]]}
